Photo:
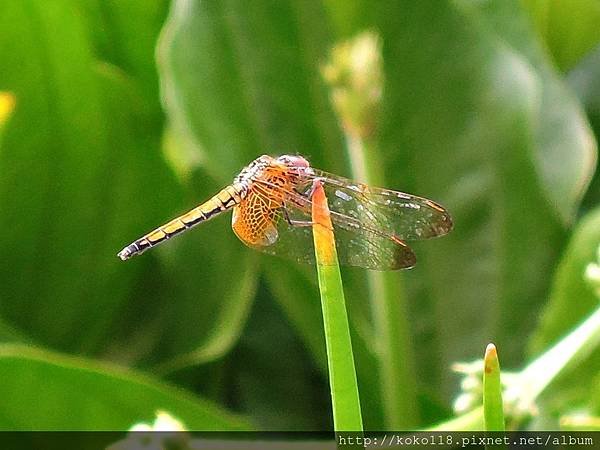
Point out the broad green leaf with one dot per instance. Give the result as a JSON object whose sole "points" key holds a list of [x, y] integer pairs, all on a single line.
{"points": [[230, 72], [98, 181], [563, 180], [568, 28], [70, 179], [48, 391], [126, 43], [224, 103], [468, 122]]}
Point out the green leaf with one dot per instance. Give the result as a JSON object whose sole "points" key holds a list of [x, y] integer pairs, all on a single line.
{"points": [[468, 122], [569, 29], [81, 138], [47, 391], [270, 350], [128, 44], [235, 80], [76, 219], [231, 72], [563, 180], [214, 95]]}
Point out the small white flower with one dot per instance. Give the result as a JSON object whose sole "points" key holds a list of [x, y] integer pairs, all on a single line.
{"points": [[165, 432]]}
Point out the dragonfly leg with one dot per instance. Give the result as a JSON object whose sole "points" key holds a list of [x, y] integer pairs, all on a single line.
{"points": [[295, 223], [301, 205]]}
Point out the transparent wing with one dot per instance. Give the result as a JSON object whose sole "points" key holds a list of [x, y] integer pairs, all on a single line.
{"points": [[359, 243], [404, 216]]}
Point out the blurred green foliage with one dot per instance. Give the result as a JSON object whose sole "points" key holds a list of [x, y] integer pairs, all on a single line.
{"points": [[488, 107]]}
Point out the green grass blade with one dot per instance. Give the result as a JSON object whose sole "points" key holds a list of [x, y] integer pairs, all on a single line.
{"points": [[355, 92], [340, 360], [492, 391]]}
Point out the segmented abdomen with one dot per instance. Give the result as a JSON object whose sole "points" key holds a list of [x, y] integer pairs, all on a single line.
{"points": [[224, 200]]}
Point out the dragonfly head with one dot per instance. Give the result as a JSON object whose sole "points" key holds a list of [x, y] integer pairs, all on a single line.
{"points": [[293, 161]]}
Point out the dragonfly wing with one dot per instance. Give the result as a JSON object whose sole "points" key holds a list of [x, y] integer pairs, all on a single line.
{"points": [[404, 216], [253, 221], [266, 229], [357, 245], [363, 247]]}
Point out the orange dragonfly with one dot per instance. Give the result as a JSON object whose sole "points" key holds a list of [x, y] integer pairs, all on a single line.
{"points": [[271, 202]]}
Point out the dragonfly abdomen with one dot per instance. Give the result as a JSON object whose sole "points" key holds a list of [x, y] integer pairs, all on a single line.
{"points": [[224, 200]]}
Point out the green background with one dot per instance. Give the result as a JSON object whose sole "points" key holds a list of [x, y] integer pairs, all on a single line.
{"points": [[129, 112]]}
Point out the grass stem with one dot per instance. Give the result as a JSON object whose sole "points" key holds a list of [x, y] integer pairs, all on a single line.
{"points": [[340, 360]]}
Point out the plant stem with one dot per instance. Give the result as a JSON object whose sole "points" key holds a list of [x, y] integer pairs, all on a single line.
{"points": [[392, 332], [340, 360], [573, 347]]}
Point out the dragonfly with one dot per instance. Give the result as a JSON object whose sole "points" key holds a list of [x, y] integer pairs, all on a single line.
{"points": [[271, 203]]}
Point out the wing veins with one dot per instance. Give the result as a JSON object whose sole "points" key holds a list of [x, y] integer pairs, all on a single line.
{"points": [[337, 217]]}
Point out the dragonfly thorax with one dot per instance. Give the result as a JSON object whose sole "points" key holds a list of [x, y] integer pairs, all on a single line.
{"points": [[253, 169], [260, 164]]}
